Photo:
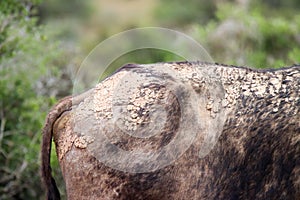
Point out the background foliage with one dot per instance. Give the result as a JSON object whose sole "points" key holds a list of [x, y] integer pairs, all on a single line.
{"points": [[43, 43], [252, 36]]}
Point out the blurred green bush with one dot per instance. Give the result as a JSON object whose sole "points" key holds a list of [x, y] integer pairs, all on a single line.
{"points": [[177, 13], [27, 59], [261, 34], [252, 36]]}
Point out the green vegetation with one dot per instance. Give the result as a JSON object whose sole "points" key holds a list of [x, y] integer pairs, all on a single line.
{"points": [[252, 36], [252, 33], [176, 13], [27, 58], [39, 54]]}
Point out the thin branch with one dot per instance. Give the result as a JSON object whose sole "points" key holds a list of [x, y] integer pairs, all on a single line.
{"points": [[2, 127]]}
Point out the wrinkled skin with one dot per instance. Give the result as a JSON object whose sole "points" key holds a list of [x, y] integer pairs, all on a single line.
{"points": [[252, 115]]}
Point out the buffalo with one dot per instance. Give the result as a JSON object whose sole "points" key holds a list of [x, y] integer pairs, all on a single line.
{"points": [[179, 130]]}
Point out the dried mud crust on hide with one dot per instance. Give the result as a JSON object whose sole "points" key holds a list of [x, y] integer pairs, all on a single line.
{"points": [[214, 132]]}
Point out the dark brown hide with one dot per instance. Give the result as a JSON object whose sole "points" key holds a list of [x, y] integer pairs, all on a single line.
{"points": [[256, 154]]}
